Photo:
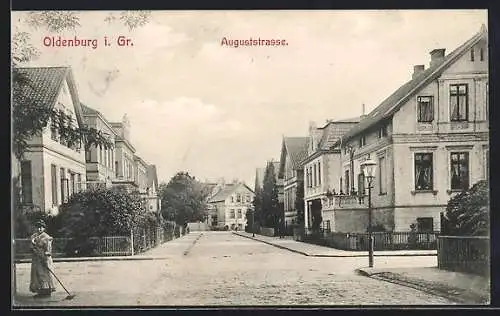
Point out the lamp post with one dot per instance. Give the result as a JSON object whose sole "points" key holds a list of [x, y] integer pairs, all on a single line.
{"points": [[369, 167]]}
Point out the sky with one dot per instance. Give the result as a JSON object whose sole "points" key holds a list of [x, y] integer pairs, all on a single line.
{"points": [[218, 111]]}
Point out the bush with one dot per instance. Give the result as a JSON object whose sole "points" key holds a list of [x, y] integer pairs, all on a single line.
{"points": [[26, 218], [99, 213], [468, 213]]}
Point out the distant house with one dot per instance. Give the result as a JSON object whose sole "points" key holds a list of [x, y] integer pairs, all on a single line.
{"points": [[100, 162], [152, 190], [230, 205], [141, 174], [322, 167], [293, 152], [430, 139], [125, 166], [53, 167]]}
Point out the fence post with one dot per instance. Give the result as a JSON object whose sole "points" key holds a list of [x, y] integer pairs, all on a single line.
{"points": [[132, 241]]}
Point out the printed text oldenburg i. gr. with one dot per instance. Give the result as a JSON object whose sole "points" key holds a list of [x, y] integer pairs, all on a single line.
{"points": [[58, 41]]}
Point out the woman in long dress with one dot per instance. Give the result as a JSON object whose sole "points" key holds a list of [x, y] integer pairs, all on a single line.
{"points": [[42, 282]]}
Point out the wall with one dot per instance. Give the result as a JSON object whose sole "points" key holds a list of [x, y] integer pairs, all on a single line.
{"points": [[351, 221]]}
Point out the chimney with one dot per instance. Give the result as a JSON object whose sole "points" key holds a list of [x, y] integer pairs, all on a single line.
{"points": [[363, 113], [312, 125], [417, 70], [437, 55]]}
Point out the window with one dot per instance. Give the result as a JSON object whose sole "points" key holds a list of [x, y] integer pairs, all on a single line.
{"points": [[238, 198], [481, 54], [487, 101], [425, 109], [231, 213], [63, 185], [361, 184], [26, 182], [423, 171], [53, 174], [347, 182], [232, 199], [79, 179], [382, 132], [71, 183], [116, 169], [319, 173], [53, 131], [459, 102], [382, 175], [472, 54], [460, 171], [487, 164], [101, 152], [315, 179], [88, 155], [362, 141], [240, 214], [249, 198], [425, 224]]}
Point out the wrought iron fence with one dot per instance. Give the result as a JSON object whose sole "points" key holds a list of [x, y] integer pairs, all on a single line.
{"points": [[382, 240], [101, 246], [464, 254]]}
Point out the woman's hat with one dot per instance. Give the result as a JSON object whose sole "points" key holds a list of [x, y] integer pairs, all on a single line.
{"points": [[40, 223]]}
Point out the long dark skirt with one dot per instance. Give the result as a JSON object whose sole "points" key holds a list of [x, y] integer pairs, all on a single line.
{"points": [[42, 281]]}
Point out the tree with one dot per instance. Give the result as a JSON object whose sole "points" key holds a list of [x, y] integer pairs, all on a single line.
{"points": [[30, 116], [299, 204], [102, 212], [270, 203], [183, 199], [468, 213]]}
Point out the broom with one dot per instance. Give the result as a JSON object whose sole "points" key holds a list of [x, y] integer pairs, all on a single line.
{"points": [[70, 296]]}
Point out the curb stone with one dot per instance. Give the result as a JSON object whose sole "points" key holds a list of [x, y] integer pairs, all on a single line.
{"points": [[449, 293], [275, 245], [192, 244], [336, 256]]}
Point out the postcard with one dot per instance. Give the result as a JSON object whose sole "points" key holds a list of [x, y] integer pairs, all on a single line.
{"points": [[250, 158]]}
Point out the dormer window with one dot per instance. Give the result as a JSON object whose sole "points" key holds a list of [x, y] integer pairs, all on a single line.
{"points": [[472, 54], [382, 132], [362, 141]]}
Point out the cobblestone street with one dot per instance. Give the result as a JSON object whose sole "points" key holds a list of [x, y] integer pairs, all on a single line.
{"points": [[219, 268]]}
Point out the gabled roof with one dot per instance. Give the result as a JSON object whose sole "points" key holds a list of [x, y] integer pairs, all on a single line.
{"points": [[43, 85], [228, 189], [296, 149], [394, 102], [152, 176], [331, 135], [88, 111]]}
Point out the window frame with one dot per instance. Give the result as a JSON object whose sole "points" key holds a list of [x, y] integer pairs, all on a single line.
{"points": [[382, 162], [419, 110], [467, 155], [456, 87], [26, 182], [415, 180]]}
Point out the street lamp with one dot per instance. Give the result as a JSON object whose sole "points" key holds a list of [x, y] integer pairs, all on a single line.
{"points": [[369, 166]]}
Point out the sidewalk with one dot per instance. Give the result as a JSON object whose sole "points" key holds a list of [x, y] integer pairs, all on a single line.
{"points": [[459, 287], [311, 250], [156, 253]]}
